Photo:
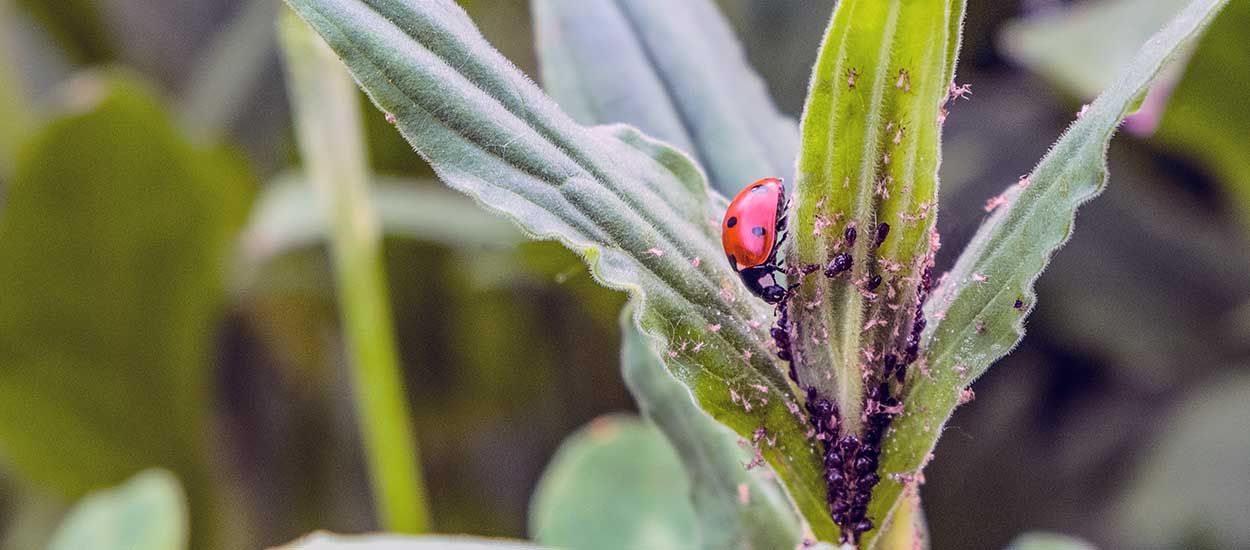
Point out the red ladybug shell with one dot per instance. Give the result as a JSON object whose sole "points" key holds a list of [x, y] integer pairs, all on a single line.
{"points": [[749, 230]]}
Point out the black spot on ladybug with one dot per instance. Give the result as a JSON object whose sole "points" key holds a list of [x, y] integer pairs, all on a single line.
{"points": [[758, 231], [732, 221]]}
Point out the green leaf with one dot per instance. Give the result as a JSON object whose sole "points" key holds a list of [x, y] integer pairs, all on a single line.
{"points": [[1048, 541], [673, 69], [637, 210], [148, 512], [735, 507], [870, 152], [76, 26], [1191, 490], [287, 217], [615, 484], [328, 541], [225, 76], [973, 315], [908, 529], [1207, 115], [113, 240], [1083, 46]]}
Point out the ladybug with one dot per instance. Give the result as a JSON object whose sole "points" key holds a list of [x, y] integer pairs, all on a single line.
{"points": [[752, 231]]}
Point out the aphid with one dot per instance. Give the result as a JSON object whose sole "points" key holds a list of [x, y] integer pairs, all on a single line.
{"points": [[1019, 304], [840, 263], [849, 235], [883, 230], [752, 232], [873, 283]]}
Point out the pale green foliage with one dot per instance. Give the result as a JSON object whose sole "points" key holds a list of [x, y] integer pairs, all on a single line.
{"points": [[148, 512], [328, 541], [616, 484], [1048, 541]]}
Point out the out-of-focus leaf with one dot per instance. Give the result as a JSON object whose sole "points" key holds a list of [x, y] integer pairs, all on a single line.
{"points": [[1208, 116], [112, 245], [1048, 541], [735, 507], [638, 211], [226, 74], [287, 217], [615, 484], [870, 153], [31, 514], [1193, 491], [978, 311], [674, 70], [14, 108], [327, 541], [76, 25], [148, 512], [1205, 117], [1082, 47]]}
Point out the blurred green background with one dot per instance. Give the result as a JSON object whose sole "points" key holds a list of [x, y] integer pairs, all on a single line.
{"points": [[166, 299]]}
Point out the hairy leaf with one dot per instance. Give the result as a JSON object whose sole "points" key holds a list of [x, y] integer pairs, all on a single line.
{"points": [[148, 512], [735, 507], [870, 152], [615, 484], [674, 70], [637, 210], [977, 313]]}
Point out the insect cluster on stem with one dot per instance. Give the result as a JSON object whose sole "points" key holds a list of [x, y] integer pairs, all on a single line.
{"points": [[753, 230]]}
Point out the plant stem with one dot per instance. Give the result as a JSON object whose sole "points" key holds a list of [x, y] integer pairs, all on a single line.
{"points": [[328, 128]]}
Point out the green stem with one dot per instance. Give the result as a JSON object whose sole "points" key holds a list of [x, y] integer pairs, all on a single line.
{"points": [[328, 128]]}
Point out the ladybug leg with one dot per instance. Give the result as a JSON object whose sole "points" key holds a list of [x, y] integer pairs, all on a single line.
{"points": [[773, 292], [772, 257]]}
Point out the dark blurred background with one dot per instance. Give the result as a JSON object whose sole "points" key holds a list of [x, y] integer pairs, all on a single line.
{"points": [[1122, 417]]}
